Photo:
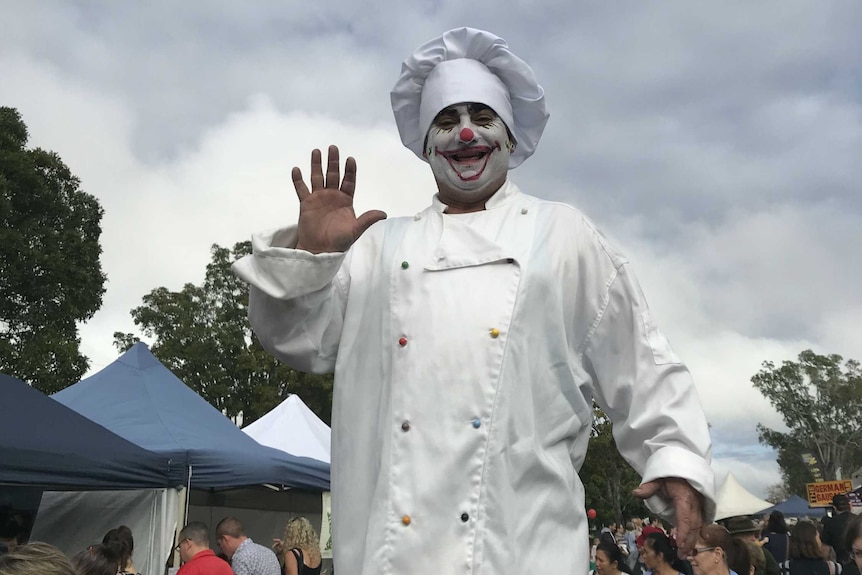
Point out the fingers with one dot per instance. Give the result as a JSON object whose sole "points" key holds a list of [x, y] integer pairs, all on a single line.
{"points": [[647, 490], [689, 513], [333, 168], [333, 173], [348, 186], [688, 508], [366, 220], [316, 170], [299, 185]]}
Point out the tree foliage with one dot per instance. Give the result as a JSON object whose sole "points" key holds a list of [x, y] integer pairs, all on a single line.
{"points": [[50, 274], [203, 336], [608, 478], [820, 399]]}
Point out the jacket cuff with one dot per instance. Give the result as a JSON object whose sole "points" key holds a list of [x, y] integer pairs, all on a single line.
{"points": [[282, 272], [671, 461]]}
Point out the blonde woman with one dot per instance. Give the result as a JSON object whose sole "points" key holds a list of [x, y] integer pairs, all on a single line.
{"points": [[35, 559], [300, 548]]}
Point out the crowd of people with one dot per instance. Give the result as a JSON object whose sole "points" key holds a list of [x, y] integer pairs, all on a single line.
{"points": [[736, 546], [296, 553]]}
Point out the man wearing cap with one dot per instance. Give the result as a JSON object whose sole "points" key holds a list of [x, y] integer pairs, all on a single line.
{"points": [[835, 526], [747, 530], [469, 341]]}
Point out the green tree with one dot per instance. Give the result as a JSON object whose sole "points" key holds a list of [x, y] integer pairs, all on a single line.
{"points": [[50, 274], [608, 478], [820, 401], [203, 336]]}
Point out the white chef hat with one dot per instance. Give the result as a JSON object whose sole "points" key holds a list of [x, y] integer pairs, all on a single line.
{"points": [[469, 65]]}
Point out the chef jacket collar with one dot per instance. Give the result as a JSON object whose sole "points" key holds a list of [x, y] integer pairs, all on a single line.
{"points": [[501, 197]]}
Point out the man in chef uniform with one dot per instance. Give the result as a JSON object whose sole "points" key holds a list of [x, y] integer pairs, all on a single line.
{"points": [[468, 342]]}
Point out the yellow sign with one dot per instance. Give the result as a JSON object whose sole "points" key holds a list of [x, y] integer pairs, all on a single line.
{"points": [[820, 493]]}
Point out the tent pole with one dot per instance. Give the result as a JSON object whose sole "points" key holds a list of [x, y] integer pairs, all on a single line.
{"points": [[188, 491], [182, 516]]}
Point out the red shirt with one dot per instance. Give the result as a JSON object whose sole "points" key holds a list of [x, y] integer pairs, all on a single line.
{"points": [[206, 563]]}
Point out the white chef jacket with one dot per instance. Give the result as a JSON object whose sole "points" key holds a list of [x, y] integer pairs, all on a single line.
{"points": [[467, 350]]}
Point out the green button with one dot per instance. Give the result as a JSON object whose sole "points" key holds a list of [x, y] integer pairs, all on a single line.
{"points": [[404, 265]]}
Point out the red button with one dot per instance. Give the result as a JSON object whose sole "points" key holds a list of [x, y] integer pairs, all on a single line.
{"points": [[402, 342]]}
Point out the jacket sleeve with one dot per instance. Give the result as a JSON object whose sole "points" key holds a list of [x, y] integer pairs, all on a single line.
{"points": [[296, 300], [658, 421]]}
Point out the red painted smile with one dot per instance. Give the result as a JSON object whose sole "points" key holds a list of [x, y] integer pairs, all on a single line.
{"points": [[464, 159]]}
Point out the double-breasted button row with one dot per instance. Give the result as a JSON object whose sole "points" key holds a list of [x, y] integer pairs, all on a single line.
{"points": [[493, 332], [406, 520], [476, 423]]}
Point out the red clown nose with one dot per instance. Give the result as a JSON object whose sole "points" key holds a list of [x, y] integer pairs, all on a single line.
{"points": [[466, 135]]}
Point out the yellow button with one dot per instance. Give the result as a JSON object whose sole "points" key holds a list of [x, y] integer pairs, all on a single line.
{"points": [[405, 520], [495, 333]]}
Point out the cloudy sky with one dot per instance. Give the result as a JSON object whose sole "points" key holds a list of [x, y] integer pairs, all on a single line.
{"points": [[717, 144]]}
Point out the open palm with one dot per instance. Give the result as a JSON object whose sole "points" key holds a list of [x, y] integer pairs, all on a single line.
{"points": [[327, 221]]}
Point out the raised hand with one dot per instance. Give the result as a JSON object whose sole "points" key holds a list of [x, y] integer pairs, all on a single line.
{"points": [[688, 505], [327, 222]]}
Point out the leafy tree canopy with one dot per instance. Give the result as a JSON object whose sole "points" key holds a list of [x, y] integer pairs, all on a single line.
{"points": [[50, 274], [820, 399], [203, 336]]}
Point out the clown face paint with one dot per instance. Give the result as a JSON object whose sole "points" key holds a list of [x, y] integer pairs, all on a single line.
{"points": [[468, 148]]}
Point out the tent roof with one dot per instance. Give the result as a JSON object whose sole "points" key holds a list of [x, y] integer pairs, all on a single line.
{"points": [[44, 443], [293, 428], [733, 499], [141, 400], [795, 506]]}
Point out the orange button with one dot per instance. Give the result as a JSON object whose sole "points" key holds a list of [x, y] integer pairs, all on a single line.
{"points": [[405, 520], [402, 342]]}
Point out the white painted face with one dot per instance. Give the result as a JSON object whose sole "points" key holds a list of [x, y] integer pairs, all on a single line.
{"points": [[468, 148]]}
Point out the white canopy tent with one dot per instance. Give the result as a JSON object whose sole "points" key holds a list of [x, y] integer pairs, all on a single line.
{"points": [[733, 499], [292, 427]]}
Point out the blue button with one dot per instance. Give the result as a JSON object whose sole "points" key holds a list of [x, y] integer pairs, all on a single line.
{"points": [[477, 423]]}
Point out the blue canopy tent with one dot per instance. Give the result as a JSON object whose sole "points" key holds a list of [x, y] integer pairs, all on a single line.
{"points": [[795, 506], [45, 444], [140, 399]]}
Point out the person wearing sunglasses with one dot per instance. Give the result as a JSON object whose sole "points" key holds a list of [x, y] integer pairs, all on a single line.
{"points": [[718, 553]]}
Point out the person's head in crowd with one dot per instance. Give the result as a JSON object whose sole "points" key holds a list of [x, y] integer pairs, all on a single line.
{"points": [[805, 542], [757, 558], [639, 542], [300, 533], [630, 526], [120, 540], [841, 503], [853, 540], [609, 559], [193, 538], [97, 560], [229, 535], [11, 529], [776, 523], [742, 527], [607, 537], [36, 558], [659, 553], [716, 552], [657, 522]]}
